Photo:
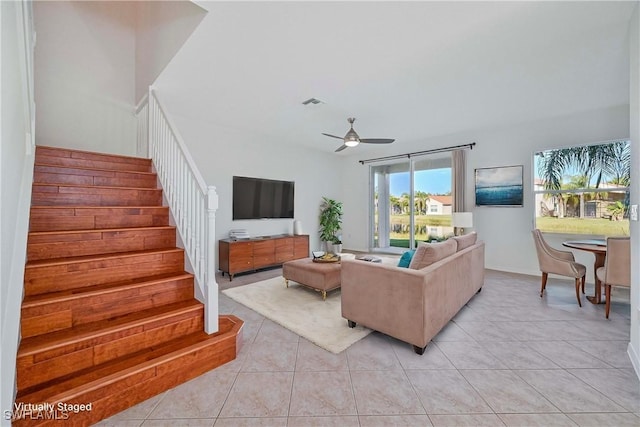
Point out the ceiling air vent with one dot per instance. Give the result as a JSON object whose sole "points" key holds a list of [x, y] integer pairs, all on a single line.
{"points": [[312, 101]]}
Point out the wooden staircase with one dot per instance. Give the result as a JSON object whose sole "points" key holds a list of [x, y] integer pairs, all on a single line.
{"points": [[108, 318]]}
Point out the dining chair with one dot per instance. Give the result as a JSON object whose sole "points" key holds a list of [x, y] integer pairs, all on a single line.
{"points": [[558, 262], [617, 267]]}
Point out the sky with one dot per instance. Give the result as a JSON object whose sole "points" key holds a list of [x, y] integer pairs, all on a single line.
{"points": [[498, 177], [433, 181]]}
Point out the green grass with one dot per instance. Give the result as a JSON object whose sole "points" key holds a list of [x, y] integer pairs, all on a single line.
{"points": [[584, 226], [603, 227]]}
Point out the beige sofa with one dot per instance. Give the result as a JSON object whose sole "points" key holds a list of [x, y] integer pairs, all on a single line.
{"points": [[413, 304]]}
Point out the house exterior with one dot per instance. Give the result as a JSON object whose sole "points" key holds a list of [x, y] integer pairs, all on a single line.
{"points": [[439, 205]]}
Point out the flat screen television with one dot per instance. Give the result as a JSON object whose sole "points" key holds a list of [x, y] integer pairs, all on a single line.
{"points": [[257, 198]]}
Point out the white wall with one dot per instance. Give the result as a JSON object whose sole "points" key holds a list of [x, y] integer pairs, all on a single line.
{"points": [[85, 75], [506, 231], [16, 175], [161, 29], [221, 153], [634, 346]]}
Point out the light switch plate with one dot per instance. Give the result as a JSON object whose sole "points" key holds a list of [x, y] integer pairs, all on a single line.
{"points": [[633, 214]]}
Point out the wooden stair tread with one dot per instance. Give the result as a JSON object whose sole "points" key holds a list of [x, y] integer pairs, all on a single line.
{"points": [[103, 230], [97, 187], [86, 258], [83, 207], [85, 168], [52, 340], [79, 293], [116, 369]]}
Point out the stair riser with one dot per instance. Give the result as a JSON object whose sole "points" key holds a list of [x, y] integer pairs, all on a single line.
{"points": [[42, 150], [44, 174], [137, 385], [58, 362], [63, 245], [91, 164], [63, 277], [74, 158], [61, 219], [58, 315], [54, 195]]}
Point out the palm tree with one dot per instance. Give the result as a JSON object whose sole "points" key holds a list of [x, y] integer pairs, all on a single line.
{"points": [[394, 203], [421, 199], [620, 171], [576, 182], [404, 202], [591, 161]]}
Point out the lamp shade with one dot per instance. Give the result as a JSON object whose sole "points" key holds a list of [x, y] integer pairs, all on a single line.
{"points": [[462, 219]]}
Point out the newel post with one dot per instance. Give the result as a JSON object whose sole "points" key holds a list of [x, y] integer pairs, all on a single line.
{"points": [[211, 287]]}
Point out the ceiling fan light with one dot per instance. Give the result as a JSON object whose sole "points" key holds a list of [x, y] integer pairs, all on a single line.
{"points": [[351, 142], [351, 139]]}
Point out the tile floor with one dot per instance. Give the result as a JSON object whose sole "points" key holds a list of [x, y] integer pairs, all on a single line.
{"points": [[509, 358]]}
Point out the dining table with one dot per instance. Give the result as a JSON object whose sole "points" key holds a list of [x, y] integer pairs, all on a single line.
{"points": [[598, 247]]}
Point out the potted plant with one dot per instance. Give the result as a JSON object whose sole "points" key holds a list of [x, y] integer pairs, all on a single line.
{"points": [[337, 245], [330, 222]]}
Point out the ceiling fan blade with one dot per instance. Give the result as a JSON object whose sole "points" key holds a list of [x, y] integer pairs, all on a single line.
{"points": [[332, 136], [377, 141], [342, 147]]}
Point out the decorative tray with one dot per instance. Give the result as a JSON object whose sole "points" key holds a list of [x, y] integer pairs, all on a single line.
{"points": [[325, 258]]}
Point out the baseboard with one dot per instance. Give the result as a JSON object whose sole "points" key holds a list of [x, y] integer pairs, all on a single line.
{"points": [[635, 360]]}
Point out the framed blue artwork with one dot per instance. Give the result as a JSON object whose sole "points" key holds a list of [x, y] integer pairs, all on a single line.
{"points": [[499, 186]]}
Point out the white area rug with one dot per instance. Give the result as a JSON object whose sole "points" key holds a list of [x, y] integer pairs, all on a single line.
{"points": [[300, 310]]}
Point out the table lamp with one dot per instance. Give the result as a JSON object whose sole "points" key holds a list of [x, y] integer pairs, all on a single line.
{"points": [[461, 220]]}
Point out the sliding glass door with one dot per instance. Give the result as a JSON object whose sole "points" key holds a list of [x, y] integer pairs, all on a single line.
{"points": [[410, 202]]}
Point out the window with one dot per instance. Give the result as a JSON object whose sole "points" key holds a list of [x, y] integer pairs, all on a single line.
{"points": [[398, 223], [584, 189]]}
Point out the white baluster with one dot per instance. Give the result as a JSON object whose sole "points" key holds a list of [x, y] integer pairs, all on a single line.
{"points": [[191, 202]]}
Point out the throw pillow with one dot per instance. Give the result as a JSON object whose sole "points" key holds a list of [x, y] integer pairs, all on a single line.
{"points": [[428, 253], [405, 259], [466, 240]]}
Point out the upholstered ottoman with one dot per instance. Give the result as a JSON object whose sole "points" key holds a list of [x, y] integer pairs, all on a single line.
{"points": [[322, 277]]}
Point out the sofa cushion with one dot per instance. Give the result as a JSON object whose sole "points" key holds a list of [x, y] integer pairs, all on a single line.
{"points": [[405, 259], [466, 240], [428, 253]]}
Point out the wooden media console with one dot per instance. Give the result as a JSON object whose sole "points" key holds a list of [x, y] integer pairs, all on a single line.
{"points": [[238, 256]]}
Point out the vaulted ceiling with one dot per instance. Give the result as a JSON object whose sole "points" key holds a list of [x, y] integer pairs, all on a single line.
{"points": [[405, 70]]}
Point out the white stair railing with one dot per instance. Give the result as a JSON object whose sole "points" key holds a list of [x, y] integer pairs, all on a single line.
{"points": [[193, 204]]}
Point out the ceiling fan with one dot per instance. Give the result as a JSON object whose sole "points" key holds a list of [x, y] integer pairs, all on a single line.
{"points": [[351, 139]]}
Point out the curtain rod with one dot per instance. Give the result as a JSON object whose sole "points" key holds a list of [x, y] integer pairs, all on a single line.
{"points": [[420, 153]]}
